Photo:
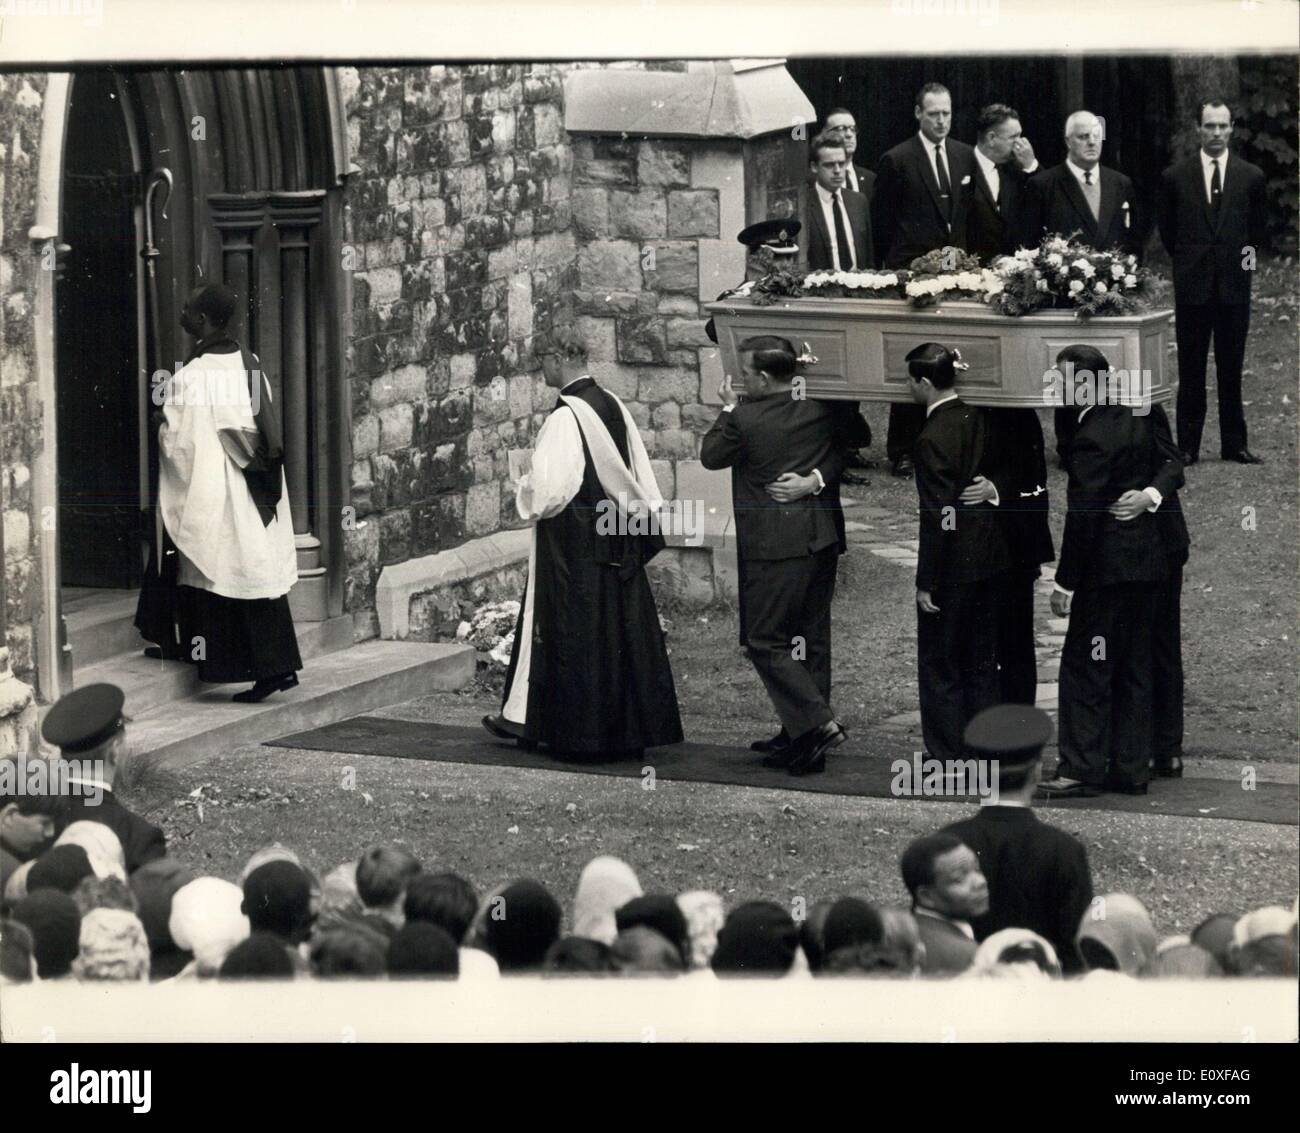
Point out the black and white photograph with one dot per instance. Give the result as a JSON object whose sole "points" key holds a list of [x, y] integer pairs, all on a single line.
{"points": [[638, 523]]}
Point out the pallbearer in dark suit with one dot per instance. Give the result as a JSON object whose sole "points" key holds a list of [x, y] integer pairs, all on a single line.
{"points": [[994, 197], [841, 124], [918, 206], [961, 553], [1083, 195], [785, 459], [1125, 544], [88, 726], [1211, 216], [838, 228], [1038, 876], [1017, 479], [589, 671]]}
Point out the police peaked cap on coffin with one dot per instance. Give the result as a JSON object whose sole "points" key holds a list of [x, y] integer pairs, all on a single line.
{"points": [[777, 234], [85, 718]]}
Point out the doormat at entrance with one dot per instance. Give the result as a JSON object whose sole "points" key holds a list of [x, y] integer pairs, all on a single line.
{"points": [[845, 774]]}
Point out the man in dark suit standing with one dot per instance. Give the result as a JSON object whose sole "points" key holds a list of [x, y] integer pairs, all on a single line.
{"points": [[838, 224], [1017, 480], [961, 553], [841, 124], [994, 197], [1212, 218], [89, 729], [1122, 555], [918, 206], [1038, 876], [785, 459], [1082, 195]]}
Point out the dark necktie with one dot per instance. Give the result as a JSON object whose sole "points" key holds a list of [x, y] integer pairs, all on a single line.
{"points": [[1092, 194], [945, 186], [1216, 188], [842, 234]]}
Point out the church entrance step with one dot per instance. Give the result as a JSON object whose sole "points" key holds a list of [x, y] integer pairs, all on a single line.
{"points": [[364, 677]]}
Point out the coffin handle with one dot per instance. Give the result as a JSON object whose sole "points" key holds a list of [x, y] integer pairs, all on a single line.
{"points": [[807, 358]]}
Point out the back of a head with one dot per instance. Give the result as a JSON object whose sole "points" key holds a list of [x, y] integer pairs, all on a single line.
{"points": [[207, 919], [1011, 947], [349, 952], [773, 355], [759, 939], [660, 913], [933, 362], [812, 933], [605, 884], [277, 899], [882, 961], [851, 922], [272, 853], [705, 916], [217, 301], [1214, 934], [443, 899], [61, 868], [382, 875], [17, 953], [563, 339], [522, 924], [574, 955], [154, 884], [1116, 933], [642, 950], [419, 949], [263, 956], [1082, 359], [1183, 962], [55, 925], [113, 946], [104, 893]]}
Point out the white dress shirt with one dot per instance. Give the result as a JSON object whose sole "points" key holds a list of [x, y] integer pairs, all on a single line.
{"points": [[827, 201], [1079, 171], [1207, 170], [990, 171]]}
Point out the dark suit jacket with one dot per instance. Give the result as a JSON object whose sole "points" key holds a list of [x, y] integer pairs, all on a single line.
{"points": [[1016, 463], [1114, 450], [1207, 253], [964, 544], [1054, 202], [760, 440], [905, 206], [141, 841], [819, 240], [993, 228], [1038, 876], [948, 950]]}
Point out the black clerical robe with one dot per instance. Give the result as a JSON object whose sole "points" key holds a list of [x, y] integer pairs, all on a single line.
{"points": [[589, 672]]}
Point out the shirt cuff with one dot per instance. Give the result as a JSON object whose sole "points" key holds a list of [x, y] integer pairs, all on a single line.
{"points": [[1059, 589], [1156, 499], [1033, 167], [997, 499], [728, 408], [821, 483]]}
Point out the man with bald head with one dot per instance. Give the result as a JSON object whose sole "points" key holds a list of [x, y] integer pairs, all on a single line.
{"points": [[1082, 195]]}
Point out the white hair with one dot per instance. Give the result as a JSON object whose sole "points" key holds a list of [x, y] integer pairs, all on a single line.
{"points": [[1078, 114]]}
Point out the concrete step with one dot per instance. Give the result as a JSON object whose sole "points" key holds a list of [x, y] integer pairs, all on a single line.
{"points": [[101, 628], [338, 685], [148, 683]]}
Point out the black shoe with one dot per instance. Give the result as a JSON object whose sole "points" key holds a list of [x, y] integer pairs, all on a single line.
{"points": [[809, 756], [903, 466], [778, 741], [262, 689], [779, 759], [1173, 770], [1243, 456], [502, 728], [1189, 458], [856, 479], [1059, 788]]}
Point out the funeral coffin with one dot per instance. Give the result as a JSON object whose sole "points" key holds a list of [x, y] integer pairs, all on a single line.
{"points": [[855, 348]]}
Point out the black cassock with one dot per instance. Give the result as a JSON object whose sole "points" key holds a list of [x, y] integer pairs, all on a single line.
{"points": [[598, 678]]}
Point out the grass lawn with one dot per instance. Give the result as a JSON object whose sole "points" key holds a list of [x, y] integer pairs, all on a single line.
{"points": [[1239, 620]]}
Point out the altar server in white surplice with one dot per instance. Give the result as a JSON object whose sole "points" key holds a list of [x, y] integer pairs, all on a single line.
{"points": [[589, 672], [225, 504]]}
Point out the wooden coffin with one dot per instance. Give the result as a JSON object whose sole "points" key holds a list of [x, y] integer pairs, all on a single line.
{"points": [[860, 346]]}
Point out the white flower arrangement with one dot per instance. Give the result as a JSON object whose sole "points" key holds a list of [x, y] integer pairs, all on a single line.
{"points": [[1130, 282], [853, 280], [1076, 285], [1100, 287], [1084, 267]]}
